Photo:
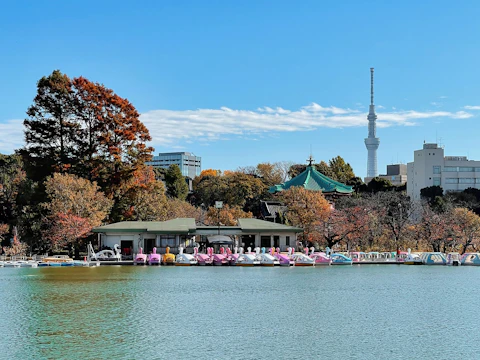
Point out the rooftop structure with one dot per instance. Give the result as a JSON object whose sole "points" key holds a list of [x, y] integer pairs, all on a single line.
{"points": [[372, 142], [396, 174]]}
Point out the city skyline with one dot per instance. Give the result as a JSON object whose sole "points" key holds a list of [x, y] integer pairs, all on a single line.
{"points": [[260, 82]]}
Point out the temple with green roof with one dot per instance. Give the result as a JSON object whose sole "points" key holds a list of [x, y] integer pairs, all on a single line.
{"points": [[312, 179]]}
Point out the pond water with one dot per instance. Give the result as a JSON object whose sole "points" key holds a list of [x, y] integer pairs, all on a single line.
{"points": [[351, 312]]}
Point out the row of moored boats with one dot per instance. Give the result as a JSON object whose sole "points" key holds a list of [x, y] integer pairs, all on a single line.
{"points": [[273, 257], [53, 261]]}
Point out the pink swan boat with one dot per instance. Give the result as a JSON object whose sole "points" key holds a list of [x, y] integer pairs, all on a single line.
{"points": [[140, 258], [154, 258], [204, 259], [283, 259], [220, 259]]}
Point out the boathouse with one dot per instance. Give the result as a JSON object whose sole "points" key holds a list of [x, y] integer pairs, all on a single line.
{"points": [[184, 232]]}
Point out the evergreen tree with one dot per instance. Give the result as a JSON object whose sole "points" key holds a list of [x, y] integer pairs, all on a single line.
{"points": [[175, 183]]}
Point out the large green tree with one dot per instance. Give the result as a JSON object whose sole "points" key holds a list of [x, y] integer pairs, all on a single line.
{"points": [[175, 182], [51, 132], [341, 170]]}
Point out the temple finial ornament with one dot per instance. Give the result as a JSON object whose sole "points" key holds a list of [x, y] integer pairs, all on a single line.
{"points": [[310, 160]]}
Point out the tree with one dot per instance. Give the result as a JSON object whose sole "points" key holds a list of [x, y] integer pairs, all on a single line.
{"points": [[176, 208], [3, 232], [340, 170], [434, 227], [66, 229], [271, 174], [176, 185], [466, 228], [227, 215], [358, 185], [142, 198], [325, 169], [12, 177], [378, 184], [306, 209], [17, 247], [431, 192], [395, 211], [50, 131], [85, 129], [80, 200]]}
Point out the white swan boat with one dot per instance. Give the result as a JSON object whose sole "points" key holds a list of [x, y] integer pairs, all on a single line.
{"points": [[247, 260], [185, 259]]}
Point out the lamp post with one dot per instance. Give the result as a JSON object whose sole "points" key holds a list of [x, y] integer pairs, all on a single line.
{"points": [[218, 206]]}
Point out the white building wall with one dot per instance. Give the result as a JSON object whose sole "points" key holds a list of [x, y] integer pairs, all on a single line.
{"points": [[430, 167]]}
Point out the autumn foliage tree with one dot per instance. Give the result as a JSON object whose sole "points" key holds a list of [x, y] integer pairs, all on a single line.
{"points": [[142, 198], [83, 128], [306, 209], [75, 206], [466, 228], [227, 215]]}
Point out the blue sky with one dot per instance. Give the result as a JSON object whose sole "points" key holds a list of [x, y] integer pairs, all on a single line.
{"points": [[244, 82]]}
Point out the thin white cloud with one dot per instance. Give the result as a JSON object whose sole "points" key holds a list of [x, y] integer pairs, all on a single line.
{"points": [[212, 124], [12, 135], [472, 107], [175, 128]]}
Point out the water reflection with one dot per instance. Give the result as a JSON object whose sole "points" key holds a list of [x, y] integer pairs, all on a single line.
{"points": [[239, 313]]}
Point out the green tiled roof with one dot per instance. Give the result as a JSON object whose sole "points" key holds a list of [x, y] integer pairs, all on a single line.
{"points": [[311, 179]]}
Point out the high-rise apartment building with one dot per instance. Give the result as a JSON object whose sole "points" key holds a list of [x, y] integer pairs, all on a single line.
{"points": [[430, 167]]}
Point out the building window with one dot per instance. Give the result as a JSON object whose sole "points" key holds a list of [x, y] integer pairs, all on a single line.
{"points": [[265, 241], [437, 181], [467, 169], [436, 169], [450, 169], [466, 181], [451, 181], [287, 238], [167, 240]]}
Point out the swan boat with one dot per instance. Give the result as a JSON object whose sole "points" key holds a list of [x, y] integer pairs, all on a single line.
{"points": [[185, 259], [140, 258], [340, 259], [470, 259], [168, 258], [246, 260], [154, 258]]}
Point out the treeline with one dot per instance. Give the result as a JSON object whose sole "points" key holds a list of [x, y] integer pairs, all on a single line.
{"points": [[83, 165]]}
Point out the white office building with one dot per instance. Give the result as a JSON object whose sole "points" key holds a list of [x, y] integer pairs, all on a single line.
{"points": [[431, 167], [189, 164]]}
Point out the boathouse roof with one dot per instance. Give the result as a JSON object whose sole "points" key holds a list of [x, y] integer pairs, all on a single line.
{"points": [[188, 226]]}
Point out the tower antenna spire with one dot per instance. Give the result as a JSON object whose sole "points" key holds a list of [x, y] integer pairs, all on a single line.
{"points": [[371, 86]]}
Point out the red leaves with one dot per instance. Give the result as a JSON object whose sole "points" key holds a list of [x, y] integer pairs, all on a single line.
{"points": [[67, 228]]}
